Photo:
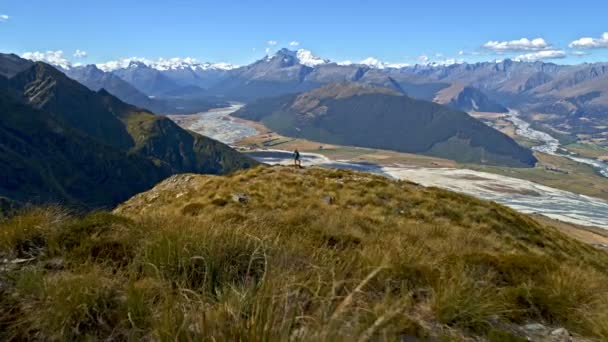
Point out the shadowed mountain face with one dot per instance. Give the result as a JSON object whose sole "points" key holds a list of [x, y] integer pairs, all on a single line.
{"points": [[95, 79], [61, 142], [369, 116], [468, 99], [179, 100], [148, 80], [11, 64]]}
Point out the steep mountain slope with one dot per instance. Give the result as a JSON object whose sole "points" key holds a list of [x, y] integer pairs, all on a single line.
{"points": [[574, 96], [508, 77], [78, 140], [146, 79], [275, 75], [280, 254], [467, 99], [368, 116], [46, 88], [44, 160], [175, 101], [96, 79]]}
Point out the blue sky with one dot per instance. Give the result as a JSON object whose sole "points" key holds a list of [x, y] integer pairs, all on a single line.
{"points": [[239, 31]]}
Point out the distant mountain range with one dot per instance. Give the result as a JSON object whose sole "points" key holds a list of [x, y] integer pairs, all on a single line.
{"points": [[570, 99], [175, 100], [62, 142], [575, 97], [365, 115]]}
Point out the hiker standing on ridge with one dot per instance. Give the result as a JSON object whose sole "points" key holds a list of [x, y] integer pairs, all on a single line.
{"points": [[296, 159]]}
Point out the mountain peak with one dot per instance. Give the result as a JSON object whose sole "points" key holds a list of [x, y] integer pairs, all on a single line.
{"points": [[301, 56]]}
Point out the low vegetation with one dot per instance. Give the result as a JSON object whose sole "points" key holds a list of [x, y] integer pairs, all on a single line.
{"points": [[283, 254]]}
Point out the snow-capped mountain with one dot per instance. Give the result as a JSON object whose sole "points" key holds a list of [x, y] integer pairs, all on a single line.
{"points": [[377, 64], [579, 89], [301, 56], [164, 64]]}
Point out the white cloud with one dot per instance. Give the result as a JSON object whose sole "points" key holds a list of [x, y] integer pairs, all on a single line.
{"points": [[4, 17], [580, 53], [375, 63], [590, 43], [268, 50], [523, 44], [423, 58], [540, 55], [307, 58], [272, 42], [52, 57], [294, 43], [372, 62], [80, 54], [461, 52]]}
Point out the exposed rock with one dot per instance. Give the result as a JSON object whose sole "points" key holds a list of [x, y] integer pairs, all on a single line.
{"points": [[601, 246], [540, 332]]}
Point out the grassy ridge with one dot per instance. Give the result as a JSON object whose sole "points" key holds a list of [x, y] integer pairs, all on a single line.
{"points": [[283, 254]]}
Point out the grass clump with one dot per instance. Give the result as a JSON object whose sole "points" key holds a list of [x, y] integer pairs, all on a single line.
{"points": [[381, 260]]}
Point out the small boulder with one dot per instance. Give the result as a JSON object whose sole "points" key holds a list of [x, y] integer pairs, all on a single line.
{"points": [[20, 261], [560, 335], [535, 327], [329, 200], [240, 197], [55, 264]]}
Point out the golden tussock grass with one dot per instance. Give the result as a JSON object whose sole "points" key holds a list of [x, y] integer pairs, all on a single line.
{"points": [[279, 254]]}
